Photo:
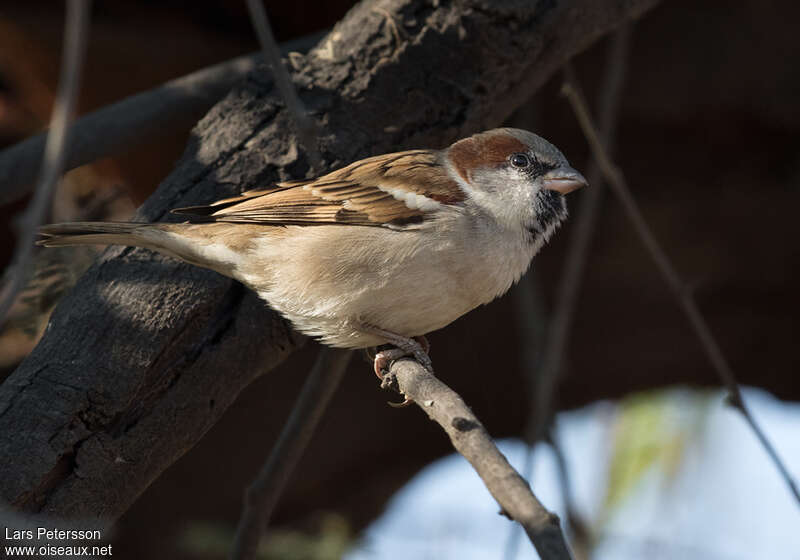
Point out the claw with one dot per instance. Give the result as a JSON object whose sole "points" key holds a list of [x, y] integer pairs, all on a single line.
{"points": [[417, 346], [384, 359], [405, 403]]}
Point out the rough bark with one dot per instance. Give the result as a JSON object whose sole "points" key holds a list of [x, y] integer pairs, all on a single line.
{"points": [[145, 354]]}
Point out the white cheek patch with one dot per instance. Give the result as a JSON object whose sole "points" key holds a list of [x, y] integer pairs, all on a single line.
{"points": [[502, 194], [412, 200]]}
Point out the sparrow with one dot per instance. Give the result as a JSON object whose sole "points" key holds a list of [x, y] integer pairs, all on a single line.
{"points": [[382, 251]]}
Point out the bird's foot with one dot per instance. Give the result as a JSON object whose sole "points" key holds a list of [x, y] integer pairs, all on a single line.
{"points": [[418, 347], [385, 358]]}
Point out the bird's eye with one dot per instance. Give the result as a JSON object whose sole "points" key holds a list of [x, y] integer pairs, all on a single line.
{"points": [[520, 161]]}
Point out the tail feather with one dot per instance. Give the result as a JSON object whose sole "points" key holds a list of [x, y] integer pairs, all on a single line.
{"points": [[96, 233], [197, 244]]}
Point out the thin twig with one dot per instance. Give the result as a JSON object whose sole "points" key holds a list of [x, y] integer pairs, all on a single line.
{"points": [[547, 374], [619, 186], [531, 316], [134, 120], [126, 123], [75, 38], [580, 242], [580, 535], [470, 439], [263, 493], [306, 129]]}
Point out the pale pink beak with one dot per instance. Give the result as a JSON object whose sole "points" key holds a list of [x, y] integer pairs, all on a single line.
{"points": [[563, 180]]}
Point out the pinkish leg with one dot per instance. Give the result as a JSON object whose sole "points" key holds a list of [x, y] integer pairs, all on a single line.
{"points": [[417, 346], [384, 359]]}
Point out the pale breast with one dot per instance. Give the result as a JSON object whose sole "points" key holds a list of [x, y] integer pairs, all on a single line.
{"points": [[328, 279]]}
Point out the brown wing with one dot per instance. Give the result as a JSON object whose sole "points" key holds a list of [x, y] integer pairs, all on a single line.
{"points": [[371, 191]]}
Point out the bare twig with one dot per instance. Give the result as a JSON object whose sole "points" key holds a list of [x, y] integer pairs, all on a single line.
{"points": [[619, 186], [75, 37], [580, 534], [126, 123], [263, 493], [470, 439], [580, 241], [133, 120], [306, 129], [530, 313], [547, 374]]}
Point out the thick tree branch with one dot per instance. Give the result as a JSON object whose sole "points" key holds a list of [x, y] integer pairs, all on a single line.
{"points": [[470, 439], [144, 355]]}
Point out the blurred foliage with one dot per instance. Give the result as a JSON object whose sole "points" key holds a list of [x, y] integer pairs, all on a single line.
{"points": [[209, 540], [651, 435]]}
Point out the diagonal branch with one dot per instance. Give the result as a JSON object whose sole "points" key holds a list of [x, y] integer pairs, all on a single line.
{"points": [[579, 244], [125, 124], [619, 185], [470, 439], [263, 494], [134, 120], [546, 375], [306, 129]]}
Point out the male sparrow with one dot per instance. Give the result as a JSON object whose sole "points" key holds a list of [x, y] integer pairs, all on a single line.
{"points": [[381, 251]]}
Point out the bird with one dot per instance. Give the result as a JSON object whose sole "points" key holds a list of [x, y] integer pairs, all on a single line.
{"points": [[380, 252]]}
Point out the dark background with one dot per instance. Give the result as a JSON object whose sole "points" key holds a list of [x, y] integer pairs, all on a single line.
{"points": [[708, 139]]}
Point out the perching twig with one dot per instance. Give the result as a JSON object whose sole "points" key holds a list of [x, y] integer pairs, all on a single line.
{"points": [[75, 35], [619, 186], [263, 493], [470, 439], [306, 129], [133, 120]]}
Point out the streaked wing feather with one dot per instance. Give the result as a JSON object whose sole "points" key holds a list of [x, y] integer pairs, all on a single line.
{"points": [[362, 193]]}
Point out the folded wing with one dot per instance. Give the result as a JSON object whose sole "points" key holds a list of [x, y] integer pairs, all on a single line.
{"points": [[391, 189]]}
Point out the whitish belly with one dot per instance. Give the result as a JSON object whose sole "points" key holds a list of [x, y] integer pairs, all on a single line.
{"points": [[329, 283]]}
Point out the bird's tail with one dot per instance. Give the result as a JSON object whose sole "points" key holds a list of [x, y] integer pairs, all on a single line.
{"points": [[196, 244], [134, 234], [204, 244]]}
